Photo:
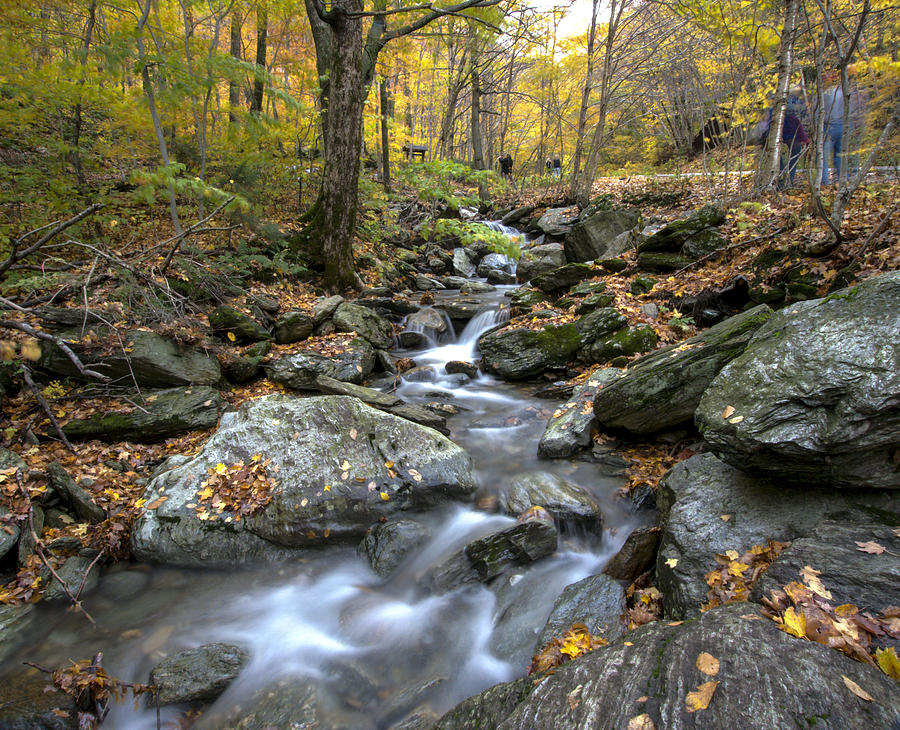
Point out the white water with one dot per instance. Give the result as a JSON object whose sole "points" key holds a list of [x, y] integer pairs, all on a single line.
{"points": [[328, 617]]}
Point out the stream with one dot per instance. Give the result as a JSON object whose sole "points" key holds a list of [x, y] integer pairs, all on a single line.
{"points": [[381, 647]]}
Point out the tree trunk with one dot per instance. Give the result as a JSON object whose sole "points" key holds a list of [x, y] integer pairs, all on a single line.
{"points": [[259, 83], [477, 143], [346, 98], [77, 122], [385, 100], [234, 87], [585, 95]]}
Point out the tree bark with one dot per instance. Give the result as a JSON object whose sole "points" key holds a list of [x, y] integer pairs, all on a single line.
{"points": [[585, 95], [385, 100], [477, 142], [259, 83], [234, 86]]}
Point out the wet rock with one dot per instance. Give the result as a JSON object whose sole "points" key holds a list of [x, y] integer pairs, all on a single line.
{"points": [[308, 440], [458, 366], [563, 278], [707, 507], [500, 278], [427, 283], [122, 585], [477, 287], [420, 374], [385, 546], [558, 221], [223, 320], [150, 361], [287, 704], [463, 264], [487, 557], [462, 310], [599, 324], [813, 398], [597, 601], [431, 322], [376, 330], [624, 343], [488, 708], [868, 581], [324, 309], [455, 282], [527, 298], [566, 502], [767, 678], [374, 398], [202, 673], [420, 415], [413, 340], [517, 214], [662, 389], [300, 370], [600, 235], [15, 621], [72, 573], [540, 260], [496, 262], [517, 352], [160, 414], [9, 539], [293, 327], [636, 556], [75, 496], [29, 701]]}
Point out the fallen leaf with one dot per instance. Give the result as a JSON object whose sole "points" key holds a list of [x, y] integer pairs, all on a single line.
{"points": [[735, 420], [856, 689], [728, 412], [795, 623], [871, 547], [574, 697], [707, 664], [641, 722], [724, 518], [415, 475], [889, 662], [345, 465], [385, 496], [811, 577], [672, 562], [353, 433], [231, 336], [700, 698]]}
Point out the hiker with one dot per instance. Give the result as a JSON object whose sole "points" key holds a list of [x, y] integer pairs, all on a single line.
{"points": [[506, 165], [557, 168], [833, 101]]}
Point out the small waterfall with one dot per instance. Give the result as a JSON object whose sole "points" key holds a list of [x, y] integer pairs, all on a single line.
{"points": [[428, 327], [512, 234]]}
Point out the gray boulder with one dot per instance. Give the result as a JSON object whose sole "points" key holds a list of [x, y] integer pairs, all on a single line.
{"points": [[767, 678], [676, 235], [202, 673], [15, 622], [517, 352], [814, 397], [637, 554], [376, 330], [598, 324], [427, 283], [324, 309], [330, 487], [300, 370], [477, 287], [30, 701], [77, 572], [431, 322], [558, 221], [625, 342], [707, 507], [74, 495], [597, 601], [160, 414], [224, 320], [662, 389], [539, 260], [496, 262], [871, 581], [563, 278], [462, 310], [517, 214], [148, 360], [293, 327], [463, 264], [385, 546], [596, 237], [566, 502]]}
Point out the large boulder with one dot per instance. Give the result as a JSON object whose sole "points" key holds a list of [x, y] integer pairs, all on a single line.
{"points": [[30, 701], [673, 237], [386, 545], [76, 497], [351, 364], [766, 679], [338, 466], [568, 430], [496, 262], [565, 501], [815, 398], [518, 352], [539, 260], [147, 360], [597, 601], [293, 327], [376, 330], [625, 342], [595, 237], [559, 280], [707, 507], [224, 321], [202, 673], [662, 389], [155, 416], [557, 222], [463, 264]]}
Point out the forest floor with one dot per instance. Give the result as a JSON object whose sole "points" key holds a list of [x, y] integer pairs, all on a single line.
{"points": [[755, 227]]}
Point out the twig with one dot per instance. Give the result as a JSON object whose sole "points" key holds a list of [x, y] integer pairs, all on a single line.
{"points": [[29, 330], [26, 376], [87, 573], [733, 246], [184, 234], [39, 551], [874, 234]]}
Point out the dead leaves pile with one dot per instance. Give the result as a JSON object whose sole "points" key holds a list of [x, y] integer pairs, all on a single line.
{"points": [[232, 492], [737, 574], [803, 610], [574, 643], [649, 463], [644, 604]]}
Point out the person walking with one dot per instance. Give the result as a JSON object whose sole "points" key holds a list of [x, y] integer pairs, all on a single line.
{"points": [[794, 136], [557, 168]]}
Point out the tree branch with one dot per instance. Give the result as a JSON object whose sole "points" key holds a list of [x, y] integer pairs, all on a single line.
{"points": [[15, 255]]}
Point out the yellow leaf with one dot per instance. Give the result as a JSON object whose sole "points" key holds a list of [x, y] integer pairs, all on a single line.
{"points": [[385, 496], [735, 420], [728, 412], [737, 569], [31, 350], [724, 518], [856, 689], [700, 698], [327, 487], [389, 464], [205, 493], [231, 336], [845, 610], [795, 623], [220, 468], [672, 562], [707, 664], [345, 465], [889, 662], [732, 554], [641, 722], [811, 577]]}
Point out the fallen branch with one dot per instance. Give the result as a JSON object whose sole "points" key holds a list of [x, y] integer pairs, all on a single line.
{"points": [[733, 246], [184, 234], [26, 376], [878, 230], [39, 551]]}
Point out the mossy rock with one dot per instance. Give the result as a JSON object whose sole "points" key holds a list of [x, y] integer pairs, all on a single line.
{"points": [[662, 262], [594, 301], [613, 266], [642, 285], [767, 294], [589, 287], [563, 278], [624, 343], [227, 320], [517, 353]]}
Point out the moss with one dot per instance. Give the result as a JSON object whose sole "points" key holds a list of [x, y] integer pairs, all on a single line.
{"points": [[558, 343]]}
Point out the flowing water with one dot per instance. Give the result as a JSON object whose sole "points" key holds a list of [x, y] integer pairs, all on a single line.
{"points": [[381, 646]]}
